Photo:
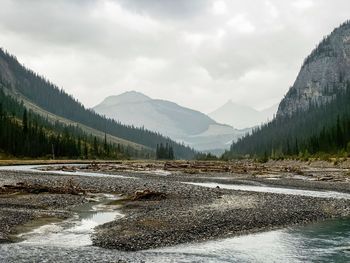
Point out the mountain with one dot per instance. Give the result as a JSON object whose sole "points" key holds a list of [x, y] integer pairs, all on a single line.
{"points": [[47, 100], [314, 116], [179, 123], [134, 108], [25, 133], [323, 70], [242, 117]]}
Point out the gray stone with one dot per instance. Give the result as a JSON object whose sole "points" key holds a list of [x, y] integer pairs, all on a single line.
{"points": [[323, 74]]}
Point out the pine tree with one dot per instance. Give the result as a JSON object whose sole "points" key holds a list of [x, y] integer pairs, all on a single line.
{"points": [[320, 129], [164, 152], [105, 146], [95, 147], [25, 122], [86, 151]]}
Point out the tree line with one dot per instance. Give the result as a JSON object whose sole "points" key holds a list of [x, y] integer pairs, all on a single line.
{"points": [[26, 134], [322, 129], [165, 152], [49, 97]]}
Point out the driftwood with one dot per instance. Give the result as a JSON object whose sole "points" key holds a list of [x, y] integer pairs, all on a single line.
{"points": [[69, 188], [147, 195], [198, 167]]}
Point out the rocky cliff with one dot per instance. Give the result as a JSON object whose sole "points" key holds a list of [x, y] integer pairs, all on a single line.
{"points": [[324, 72]]}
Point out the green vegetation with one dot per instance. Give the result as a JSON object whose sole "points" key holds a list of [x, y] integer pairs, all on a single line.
{"points": [[206, 157], [25, 134], [165, 152], [320, 131], [54, 100]]}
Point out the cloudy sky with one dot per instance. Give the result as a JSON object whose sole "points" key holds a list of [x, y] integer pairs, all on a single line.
{"points": [[198, 53]]}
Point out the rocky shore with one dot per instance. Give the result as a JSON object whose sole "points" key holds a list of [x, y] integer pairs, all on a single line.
{"points": [[21, 211], [166, 224], [162, 210]]}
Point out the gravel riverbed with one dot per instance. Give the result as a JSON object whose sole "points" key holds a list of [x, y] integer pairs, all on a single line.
{"points": [[176, 213]]}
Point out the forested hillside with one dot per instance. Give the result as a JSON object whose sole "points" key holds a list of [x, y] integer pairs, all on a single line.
{"points": [[321, 129], [314, 116], [25, 134], [49, 97], [321, 74]]}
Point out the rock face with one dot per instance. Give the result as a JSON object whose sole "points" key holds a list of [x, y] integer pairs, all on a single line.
{"points": [[324, 73]]}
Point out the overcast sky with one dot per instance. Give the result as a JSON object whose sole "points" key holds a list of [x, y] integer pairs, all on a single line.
{"points": [[198, 53]]}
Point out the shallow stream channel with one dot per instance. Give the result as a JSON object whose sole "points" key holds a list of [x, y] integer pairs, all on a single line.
{"points": [[70, 240], [76, 231]]}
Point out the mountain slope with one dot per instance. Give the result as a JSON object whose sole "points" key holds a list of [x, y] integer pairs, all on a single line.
{"points": [[134, 108], [24, 133], [314, 116], [240, 116], [182, 124], [48, 97], [63, 121], [323, 70]]}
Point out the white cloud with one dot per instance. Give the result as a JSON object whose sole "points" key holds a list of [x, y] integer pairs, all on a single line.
{"points": [[241, 24], [272, 10], [219, 7], [303, 4], [193, 39], [111, 12], [198, 53]]}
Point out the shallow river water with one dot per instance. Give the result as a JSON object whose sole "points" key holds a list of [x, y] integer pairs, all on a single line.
{"points": [[69, 241], [327, 241]]}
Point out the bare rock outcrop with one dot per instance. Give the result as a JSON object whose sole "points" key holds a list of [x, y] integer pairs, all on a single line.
{"points": [[324, 73]]}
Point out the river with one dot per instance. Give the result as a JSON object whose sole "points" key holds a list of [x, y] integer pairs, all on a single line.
{"points": [[69, 241]]}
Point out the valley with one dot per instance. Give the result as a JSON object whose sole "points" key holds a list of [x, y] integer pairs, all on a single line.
{"points": [[181, 124], [165, 131]]}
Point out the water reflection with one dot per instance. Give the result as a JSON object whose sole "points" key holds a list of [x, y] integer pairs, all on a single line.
{"points": [[328, 241], [74, 232]]}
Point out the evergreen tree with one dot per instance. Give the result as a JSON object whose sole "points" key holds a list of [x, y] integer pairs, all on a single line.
{"points": [[320, 129], [25, 122], [52, 99], [86, 151], [164, 152], [25, 134], [95, 147]]}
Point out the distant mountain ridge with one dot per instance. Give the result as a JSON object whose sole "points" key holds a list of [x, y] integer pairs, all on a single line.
{"points": [[43, 96], [127, 97], [159, 115], [179, 123], [240, 116]]}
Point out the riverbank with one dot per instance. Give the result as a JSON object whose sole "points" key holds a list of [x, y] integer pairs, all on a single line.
{"points": [[160, 209], [166, 224]]}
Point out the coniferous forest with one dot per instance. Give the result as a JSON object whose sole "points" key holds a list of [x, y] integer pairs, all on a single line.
{"points": [[321, 129], [25, 134], [52, 99], [165, 152]]}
